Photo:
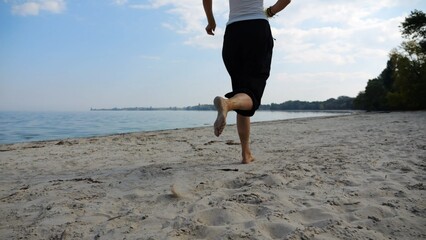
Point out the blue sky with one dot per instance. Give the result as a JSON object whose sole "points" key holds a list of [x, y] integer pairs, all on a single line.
{"points": [[76, 54]]}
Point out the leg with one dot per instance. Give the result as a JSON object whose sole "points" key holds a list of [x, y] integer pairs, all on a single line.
{"points": [[240, 101], [243, 127]]}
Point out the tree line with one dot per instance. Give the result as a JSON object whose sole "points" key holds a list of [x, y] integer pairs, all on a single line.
{"points": [[402, 84], [341, 103]]}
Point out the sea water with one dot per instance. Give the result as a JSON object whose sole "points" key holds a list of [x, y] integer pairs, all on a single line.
{"points": [[36, 126]]}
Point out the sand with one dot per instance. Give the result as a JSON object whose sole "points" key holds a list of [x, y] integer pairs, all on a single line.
{"points": [[360, 176]]}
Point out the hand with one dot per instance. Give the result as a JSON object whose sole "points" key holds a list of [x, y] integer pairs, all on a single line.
{"points": [[211, 27]]}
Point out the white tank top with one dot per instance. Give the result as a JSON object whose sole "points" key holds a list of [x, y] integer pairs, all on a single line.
{"points": [[240, 10]]}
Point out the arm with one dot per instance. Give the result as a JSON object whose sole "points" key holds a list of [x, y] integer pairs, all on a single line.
{"points": [[279, 6], [211, 23]]}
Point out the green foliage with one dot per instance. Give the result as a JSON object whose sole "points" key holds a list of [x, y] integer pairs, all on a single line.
{"points": [[414, 25], [387, 75], [360, 102], [410, 78], [375, 95], [402, 84]]}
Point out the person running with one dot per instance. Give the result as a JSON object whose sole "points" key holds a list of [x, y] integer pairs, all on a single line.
{"points": [[247, 55]]}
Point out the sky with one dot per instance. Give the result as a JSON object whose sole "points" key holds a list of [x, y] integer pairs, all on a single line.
{"points": [[73, 55]]}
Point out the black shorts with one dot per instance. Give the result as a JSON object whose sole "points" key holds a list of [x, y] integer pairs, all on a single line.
{"points": [[247, 54]]}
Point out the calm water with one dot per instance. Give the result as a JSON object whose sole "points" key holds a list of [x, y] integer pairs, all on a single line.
{"points": [[34, 126]]}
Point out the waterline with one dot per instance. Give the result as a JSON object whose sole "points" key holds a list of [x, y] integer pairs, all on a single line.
{"points": [[39, 126]]}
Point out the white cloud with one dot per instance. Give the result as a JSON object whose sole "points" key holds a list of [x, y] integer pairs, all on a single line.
{"points": [[120, 2], [206, 41], [29, 8], [190, 20], [350, 40], [319, 77], [336, 32], [308, 28], [317, 86], [33, 8]]}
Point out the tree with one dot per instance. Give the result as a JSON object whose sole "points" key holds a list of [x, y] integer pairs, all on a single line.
{"points": [[402, 84], [375, 95], [387, 75], [409, 88], [414, 27], [359, 101], [410, 65]]}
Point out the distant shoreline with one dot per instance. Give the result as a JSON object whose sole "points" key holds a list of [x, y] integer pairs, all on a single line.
{"points": [[343, 111], [261, 110], [341, 103]]}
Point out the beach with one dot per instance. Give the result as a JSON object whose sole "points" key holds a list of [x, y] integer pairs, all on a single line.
{"points": [[359, 176]]}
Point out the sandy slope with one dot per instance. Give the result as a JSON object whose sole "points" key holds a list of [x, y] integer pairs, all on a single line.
{"points": [[349, 177]]}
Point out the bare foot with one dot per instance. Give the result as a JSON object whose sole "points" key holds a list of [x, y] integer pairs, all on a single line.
{"points": [[247, 160], [222, 111]]}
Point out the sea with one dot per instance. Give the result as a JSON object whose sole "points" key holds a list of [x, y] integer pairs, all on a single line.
{"points": [[16, 127]]}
